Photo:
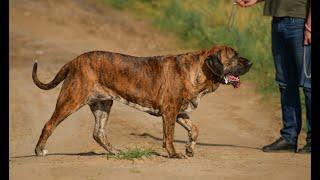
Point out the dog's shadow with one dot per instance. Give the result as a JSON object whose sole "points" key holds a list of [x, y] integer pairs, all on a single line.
{"points": [[198, 143], [143, 135], [90, 153]]}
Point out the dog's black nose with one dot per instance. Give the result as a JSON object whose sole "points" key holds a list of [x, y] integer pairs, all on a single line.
{"points": [[249, 63]]}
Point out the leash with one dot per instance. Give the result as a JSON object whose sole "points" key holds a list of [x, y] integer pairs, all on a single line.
{"points": [[304, 63], [231, 22], [232, 15]]}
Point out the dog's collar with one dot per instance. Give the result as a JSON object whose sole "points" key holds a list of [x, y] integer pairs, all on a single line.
{"points": [[222, 79]]}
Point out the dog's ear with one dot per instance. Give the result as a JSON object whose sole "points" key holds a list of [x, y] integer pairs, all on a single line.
{"points": [[214, 64]]}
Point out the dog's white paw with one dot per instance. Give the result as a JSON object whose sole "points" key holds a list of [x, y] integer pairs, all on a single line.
{"points": [[42, 152]]}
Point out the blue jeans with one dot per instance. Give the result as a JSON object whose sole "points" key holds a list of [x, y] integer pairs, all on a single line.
{"points": [[288, 50]]}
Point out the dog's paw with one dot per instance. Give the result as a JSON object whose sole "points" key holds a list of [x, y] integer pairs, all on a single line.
{"points": [[115, 151], [178, 156], [189, 151], [41, 152]]}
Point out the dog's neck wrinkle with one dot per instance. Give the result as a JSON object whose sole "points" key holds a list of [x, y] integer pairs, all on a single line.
{"points": [[202, 83]]}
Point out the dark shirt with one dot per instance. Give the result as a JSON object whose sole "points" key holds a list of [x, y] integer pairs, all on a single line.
{"points": [[286, 8]]}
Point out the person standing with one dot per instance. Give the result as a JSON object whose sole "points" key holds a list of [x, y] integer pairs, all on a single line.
{"points": [[291, 40]]}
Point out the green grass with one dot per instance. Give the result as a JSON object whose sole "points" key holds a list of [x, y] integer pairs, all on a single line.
{"points": [[131, 154]]}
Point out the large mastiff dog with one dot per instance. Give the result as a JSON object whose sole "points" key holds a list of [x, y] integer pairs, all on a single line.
{"points": [[167, 86]]}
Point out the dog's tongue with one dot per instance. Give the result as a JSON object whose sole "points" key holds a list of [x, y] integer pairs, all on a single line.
{"points": [[234, 80]]}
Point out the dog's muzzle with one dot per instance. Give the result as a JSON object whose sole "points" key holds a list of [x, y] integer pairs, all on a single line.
{"points": [[233, 80]]}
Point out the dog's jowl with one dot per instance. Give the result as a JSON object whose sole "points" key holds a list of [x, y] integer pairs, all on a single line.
{"points": [[167, 86]]}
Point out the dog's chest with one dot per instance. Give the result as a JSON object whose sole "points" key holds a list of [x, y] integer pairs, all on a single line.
{"points": [[190, 105]]}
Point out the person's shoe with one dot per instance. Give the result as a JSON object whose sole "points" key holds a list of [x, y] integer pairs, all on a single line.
{"points": [[280, 145], [306, 149]]}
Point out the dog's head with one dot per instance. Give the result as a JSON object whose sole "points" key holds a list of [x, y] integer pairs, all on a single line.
{"points": [[227, 65]]}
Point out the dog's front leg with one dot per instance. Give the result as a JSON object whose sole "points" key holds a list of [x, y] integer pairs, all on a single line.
{"points": [[169, 120], [193, 132]]}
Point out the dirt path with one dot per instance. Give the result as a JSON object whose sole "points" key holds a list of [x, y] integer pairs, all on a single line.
{"points": [[233, 123]]}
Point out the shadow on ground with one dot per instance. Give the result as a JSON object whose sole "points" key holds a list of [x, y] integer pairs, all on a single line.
{"points": [[144, 135]]}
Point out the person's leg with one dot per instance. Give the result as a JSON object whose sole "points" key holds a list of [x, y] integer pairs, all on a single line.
{"points": [[291, 113], [302, 57], [287, 79], [305, 82], [307, 92]]}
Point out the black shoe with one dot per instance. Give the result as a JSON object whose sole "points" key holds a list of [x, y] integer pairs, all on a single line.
{"points": [[306, 149], [280, 145]]}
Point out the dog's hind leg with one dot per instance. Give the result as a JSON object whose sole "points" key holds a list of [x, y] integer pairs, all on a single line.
{"points": [[101, 111], [193, 132], [67, 104]]}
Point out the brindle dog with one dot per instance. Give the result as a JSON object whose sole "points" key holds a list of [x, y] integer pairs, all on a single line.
{"points": [[167, 86]]}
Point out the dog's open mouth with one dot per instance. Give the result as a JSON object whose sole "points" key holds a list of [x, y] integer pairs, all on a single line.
{"points": [[233, 80]]}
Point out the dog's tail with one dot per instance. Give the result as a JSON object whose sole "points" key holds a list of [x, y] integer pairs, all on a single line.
{"points": [[57, 79]]}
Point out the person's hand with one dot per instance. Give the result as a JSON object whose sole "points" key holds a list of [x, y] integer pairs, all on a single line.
{"points": [[307, 30], [246, 3], [307, 37]]}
